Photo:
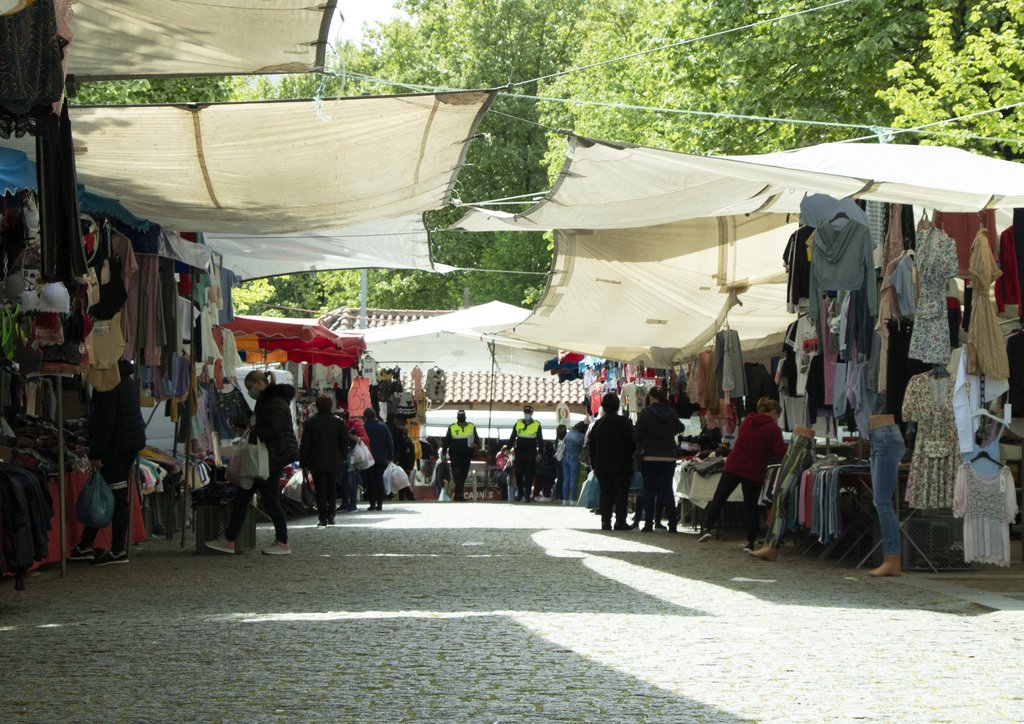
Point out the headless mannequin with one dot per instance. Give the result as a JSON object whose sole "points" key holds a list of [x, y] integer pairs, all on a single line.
{"points": [[892, 565], [768, 552]]}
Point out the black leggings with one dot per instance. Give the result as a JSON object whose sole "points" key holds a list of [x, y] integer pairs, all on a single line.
{"points": [[751, 492]]}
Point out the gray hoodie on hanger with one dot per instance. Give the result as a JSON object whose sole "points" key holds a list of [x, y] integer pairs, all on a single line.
{"points": [[842, 259]]}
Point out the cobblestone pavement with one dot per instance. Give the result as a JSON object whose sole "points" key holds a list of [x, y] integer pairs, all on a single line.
{"points": [[498, 613]]}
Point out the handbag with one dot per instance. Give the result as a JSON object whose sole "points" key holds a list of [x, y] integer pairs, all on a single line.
{"points": [[638, 460], [95, 505]]}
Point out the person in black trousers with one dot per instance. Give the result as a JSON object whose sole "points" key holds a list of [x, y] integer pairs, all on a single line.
{"points": [[117, 433], [611, 456], [323, 452], [382, 447], [757, 443]]}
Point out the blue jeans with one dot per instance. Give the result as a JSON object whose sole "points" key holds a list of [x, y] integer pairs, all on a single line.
{"points": [[887, 450], [658, 476], [570, 475]]}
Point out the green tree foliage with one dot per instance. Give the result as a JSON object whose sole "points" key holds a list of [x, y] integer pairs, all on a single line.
{"points": [[207, 89], [824, 66], [972, 61]]}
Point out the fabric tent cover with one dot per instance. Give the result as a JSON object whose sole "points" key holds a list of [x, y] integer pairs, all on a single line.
{"points": [[402, 243], [460, 342], [276, 167], [675, 240], [304, 340], [152, 38]]}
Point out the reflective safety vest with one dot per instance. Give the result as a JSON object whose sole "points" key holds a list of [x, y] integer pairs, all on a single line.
{"points": [[461, 437], [528, 430]]}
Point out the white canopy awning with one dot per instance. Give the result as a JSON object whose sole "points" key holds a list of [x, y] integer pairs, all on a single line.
{"points": [[657, 294], [402, 243], [152, 38], [461, 342], [273, 168], [614, 186], [679, 243]]}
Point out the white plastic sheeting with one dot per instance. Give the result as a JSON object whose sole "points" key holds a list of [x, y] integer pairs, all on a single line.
{"points": [[278, 167], [614, 186], [393, 244], [461, 342], [151, 38]]}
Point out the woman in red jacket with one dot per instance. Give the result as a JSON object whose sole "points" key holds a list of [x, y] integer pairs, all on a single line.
{"points": [[759, 440]]}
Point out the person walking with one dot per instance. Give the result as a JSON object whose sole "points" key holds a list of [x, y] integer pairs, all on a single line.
{"points": [[405, 454], [382, 447], [460, 444], [571, 448], [611, 456], [117, 433], [273, 427], [655, 435], [323, 452], [525, 440], [556, 492], [352, 478], [757, 443]]}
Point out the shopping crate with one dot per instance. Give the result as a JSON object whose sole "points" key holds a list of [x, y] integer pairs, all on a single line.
{"points": [[939, 540], [212, 521]]}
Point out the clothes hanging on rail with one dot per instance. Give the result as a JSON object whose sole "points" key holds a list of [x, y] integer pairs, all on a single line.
{"points": [[986, 349], [1008, 285], [936, 262], [797, 261], [842, 259], [929, 403], [988, 504]]}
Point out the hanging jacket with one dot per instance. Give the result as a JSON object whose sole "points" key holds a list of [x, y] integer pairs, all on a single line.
{"points": [[842, 259]]}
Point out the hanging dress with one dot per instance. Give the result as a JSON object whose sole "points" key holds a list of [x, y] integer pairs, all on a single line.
{"points": [[936, 262], [988, 504], [986, 349], [933, 468]]}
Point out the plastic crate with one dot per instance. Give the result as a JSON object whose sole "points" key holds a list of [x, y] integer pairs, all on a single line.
{"points": [[212, 521], [940, 540]]}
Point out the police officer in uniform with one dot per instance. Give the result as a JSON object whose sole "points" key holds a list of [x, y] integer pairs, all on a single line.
{"points": [[527, 438], [460, 444]]}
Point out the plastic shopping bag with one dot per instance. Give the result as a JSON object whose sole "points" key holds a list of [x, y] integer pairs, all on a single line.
{"points": [[395, 479], [360, 457], [95, 506], [590, 495]]}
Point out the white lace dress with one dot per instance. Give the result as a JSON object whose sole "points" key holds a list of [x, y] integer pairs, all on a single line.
{"points": [[987, 504]]}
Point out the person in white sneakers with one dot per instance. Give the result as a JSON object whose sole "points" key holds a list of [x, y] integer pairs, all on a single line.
{"points": [[273, 427]]}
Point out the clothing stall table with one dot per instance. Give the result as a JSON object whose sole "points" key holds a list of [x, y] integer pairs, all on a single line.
{"points": [[74, 483], [700, 490]]}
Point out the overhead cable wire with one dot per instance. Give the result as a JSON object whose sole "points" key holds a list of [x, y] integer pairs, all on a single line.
{"points": [[685, 41]]}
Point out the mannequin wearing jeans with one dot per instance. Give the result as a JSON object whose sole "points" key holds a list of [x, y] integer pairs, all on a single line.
{"points": [[795, 462], [887, 450]]}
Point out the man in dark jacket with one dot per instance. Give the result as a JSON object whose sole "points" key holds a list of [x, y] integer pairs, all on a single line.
{"points": [[324, 453], [405, 453], [117, 433], [382, 447], [656, 428], [611, 456]]}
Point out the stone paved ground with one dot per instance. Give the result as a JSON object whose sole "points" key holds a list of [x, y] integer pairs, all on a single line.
{"points": [[499, 613]]}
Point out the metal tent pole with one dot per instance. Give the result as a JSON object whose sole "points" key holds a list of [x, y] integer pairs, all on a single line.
{"points": [[62, 484]]}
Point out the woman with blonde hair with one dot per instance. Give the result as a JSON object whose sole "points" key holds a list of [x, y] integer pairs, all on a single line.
{"points": [[758, 441]]}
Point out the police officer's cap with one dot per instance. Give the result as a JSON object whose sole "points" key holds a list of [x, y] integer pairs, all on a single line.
{"points": [[460, 413], [528, 409]]}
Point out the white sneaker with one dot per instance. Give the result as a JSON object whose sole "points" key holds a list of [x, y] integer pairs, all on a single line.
{"points": [[221, 546], [277, 548], [704, 538]]}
